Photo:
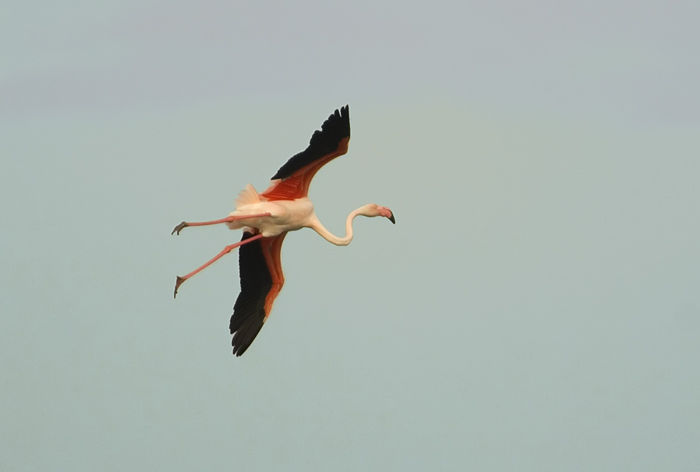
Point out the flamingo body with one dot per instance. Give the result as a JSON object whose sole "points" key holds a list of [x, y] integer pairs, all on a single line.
{"points": [[285, 215], [266, 219]]}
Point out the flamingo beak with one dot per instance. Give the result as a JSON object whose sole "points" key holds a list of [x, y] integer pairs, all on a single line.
{"points": [[391, 218]]}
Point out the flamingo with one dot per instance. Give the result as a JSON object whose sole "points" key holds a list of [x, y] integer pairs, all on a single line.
{"points": [[266, 219]]}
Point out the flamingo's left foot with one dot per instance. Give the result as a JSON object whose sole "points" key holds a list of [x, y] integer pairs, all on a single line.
{"points": [[178, 281], [179, 228]]}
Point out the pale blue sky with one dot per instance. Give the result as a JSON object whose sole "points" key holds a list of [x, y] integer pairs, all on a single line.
{"points": [[535, 308]]}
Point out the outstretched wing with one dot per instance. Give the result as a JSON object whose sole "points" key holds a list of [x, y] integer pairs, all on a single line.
{"points": [[292, 180], [261, 281]]}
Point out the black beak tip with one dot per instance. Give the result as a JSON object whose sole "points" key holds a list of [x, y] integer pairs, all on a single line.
{"points": [[391, 218]]}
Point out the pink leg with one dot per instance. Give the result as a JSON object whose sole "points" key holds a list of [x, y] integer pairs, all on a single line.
{"points": [[228, 219], [180, 280]]}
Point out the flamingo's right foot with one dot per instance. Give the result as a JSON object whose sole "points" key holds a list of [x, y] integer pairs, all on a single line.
{"points": [[180, 227]]}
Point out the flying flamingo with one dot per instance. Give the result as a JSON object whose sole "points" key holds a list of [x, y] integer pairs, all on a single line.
{"points": [[267, 217]]}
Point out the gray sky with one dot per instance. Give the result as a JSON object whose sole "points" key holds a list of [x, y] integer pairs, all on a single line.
{"points": [[535, 308]]}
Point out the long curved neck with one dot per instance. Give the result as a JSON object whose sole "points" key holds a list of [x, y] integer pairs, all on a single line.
{"points": [[330, 237]]}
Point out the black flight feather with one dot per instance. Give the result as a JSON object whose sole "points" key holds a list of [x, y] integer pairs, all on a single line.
{"points": [[323, 142], [256, 282]]}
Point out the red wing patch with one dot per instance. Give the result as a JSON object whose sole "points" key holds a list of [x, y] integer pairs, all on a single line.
{"points": [[272, 248], [297, 185]]}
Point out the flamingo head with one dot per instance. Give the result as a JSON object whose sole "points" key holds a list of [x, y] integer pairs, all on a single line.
{"points": [[379, 210]]}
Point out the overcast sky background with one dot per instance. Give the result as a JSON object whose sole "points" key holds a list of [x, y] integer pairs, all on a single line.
{"points": [[535, 308]]}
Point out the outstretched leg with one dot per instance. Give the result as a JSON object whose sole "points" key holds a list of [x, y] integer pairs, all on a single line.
{"points": [[228, 219], [180, 280]]}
